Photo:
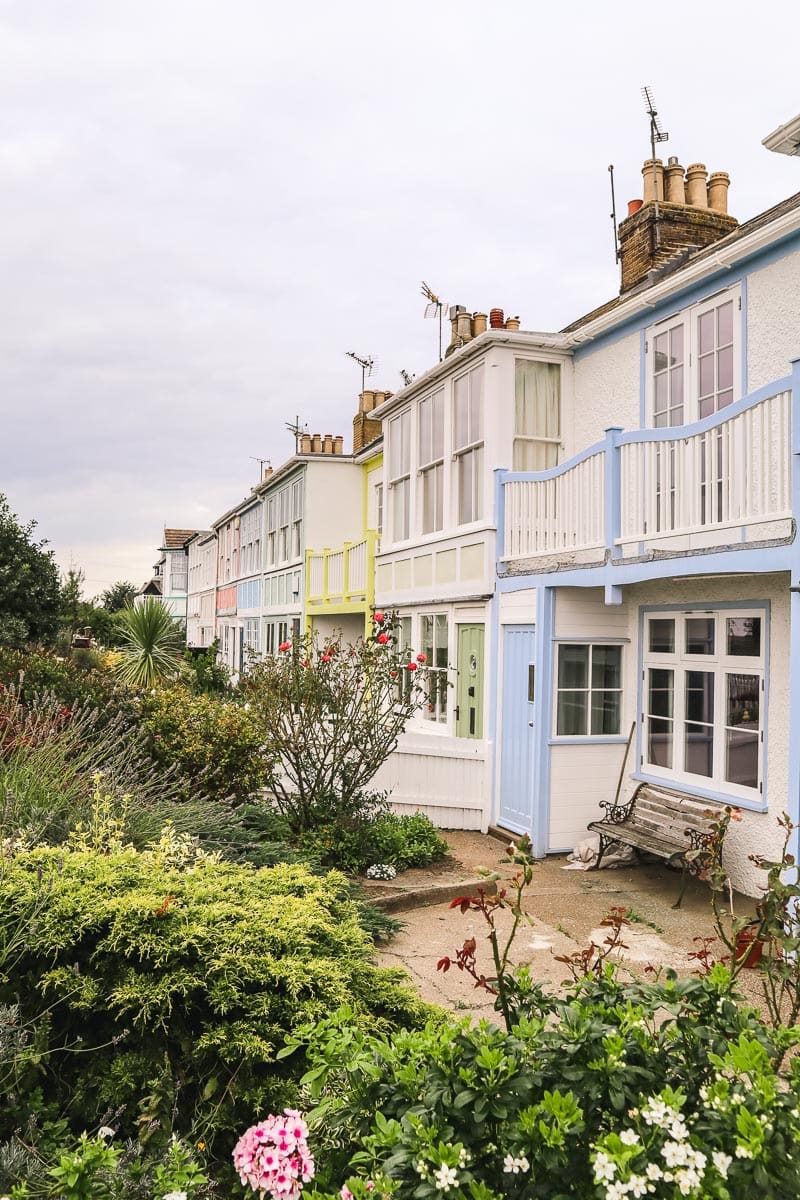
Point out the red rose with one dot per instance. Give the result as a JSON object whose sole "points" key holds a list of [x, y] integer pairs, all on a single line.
{"points": [[284, 646], [382, 638], [325, 658], [421, 658], [393, 674], [379, 618], [411, 666]]}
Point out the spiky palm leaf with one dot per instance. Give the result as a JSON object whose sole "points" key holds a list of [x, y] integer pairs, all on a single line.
{"points": [[152, 644]]}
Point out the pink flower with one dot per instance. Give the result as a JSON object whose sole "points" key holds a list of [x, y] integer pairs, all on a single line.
{"points": [[273, 1156], [379, 618], [411, 666], [284, 646], [382, 638], [345, 1192], [421, 658]]}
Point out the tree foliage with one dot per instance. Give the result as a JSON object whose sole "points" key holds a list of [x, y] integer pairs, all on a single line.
{"points": [[29, 583], [331, 715], [120, 595]]}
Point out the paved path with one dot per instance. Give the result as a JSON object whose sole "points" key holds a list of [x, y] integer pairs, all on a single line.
{"points": [[566, 906]]}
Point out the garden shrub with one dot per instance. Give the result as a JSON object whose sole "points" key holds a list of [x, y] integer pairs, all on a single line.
{"points": [[34, 672], [185, 984], [215, 742], [379, 836]]}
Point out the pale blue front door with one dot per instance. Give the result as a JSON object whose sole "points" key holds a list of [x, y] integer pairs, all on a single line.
{"points": [[516, 738]]}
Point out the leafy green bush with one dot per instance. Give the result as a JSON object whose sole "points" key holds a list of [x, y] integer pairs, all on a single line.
{"points": [[34, 672], [187, 984], [379, 836], [215, 742]]}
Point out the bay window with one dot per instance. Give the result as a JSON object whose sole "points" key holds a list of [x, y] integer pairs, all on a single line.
{"points": [[537, 415], [400, 475], [703, 698], [468, 444], [431, 462]]}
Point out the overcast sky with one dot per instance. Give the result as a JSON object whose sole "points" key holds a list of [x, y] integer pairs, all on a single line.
{"points": [[205, 203]]}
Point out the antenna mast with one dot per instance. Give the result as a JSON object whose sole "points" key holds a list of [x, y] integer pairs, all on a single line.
{"points": [[297, 429], [613, 213], [367, 364], [434, 308], [657, 134], [262, 462]]}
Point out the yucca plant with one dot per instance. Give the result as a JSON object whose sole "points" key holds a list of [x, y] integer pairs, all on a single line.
{"points": [[152, 644]]}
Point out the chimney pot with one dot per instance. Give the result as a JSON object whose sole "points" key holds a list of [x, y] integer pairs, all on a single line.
{"points": [[512, 323], [327, 445], [478, 323], [676, 184], [366, 401], [496, 318], [696, 193], [465, 326], [338, 442], [653, 180], [718, 185], [316, 444], [305, 443], [379, 398], [634, 206]]}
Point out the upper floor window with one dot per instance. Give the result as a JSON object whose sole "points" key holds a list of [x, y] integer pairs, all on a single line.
{"points": [[694, 361], [272, 529], [284, 513], [468, 444], [400, 475], [431, 461], [537, 415], [297, 517]]}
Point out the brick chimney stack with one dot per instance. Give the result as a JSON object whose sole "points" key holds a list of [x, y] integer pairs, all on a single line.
{"points": [[365, 429], [692, 213]]}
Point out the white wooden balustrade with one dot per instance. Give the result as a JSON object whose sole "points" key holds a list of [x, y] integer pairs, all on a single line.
{"points": [[560, 511]]}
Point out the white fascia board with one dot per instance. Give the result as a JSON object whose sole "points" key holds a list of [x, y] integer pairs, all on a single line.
{"points": [[516, 339], [785, 139]]}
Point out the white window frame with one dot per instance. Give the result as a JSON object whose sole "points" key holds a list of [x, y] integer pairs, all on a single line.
{"points": [[297, 518], [688, 321], [284, 522], [436, 707], [399, 475], [552, 445], [589, 690], [721, 665], [468, 454], [430, 459], [272, 530]]}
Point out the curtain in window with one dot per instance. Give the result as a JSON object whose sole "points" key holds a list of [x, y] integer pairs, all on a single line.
{"points": [[537, 415]]}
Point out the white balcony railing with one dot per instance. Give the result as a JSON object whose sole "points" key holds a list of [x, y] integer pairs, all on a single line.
{"points": [[561, 510], [723, 480], [341, 576], [735, 473]]}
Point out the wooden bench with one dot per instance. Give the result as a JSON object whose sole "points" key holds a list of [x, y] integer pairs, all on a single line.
{"points": [[658, 820]]}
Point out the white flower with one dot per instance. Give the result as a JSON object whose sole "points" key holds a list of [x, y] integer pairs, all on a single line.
{"points": [[421, 1168], [604, 1168], [175, 1196], [637, 1185], [721, 1162], [629, 1137], [445, 1178], [743, 1152], [616, 1191], [654, 1171], [105, 1131]]}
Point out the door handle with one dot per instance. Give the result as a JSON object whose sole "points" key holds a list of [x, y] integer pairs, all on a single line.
{"points": [[530, 724]]}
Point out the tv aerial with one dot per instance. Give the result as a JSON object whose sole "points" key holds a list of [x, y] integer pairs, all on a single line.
{"points": [[434, 308], [368, 364], [298, 430], [262, 462], [407, 377], [657, 134]]}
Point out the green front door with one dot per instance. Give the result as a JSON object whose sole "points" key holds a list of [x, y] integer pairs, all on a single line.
{"points": [[469, 689]]}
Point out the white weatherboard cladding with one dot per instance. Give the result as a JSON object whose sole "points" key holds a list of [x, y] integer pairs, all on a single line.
{"points": [[445, 778], [606, 384], [773, 329], [333, 504], [518, 608]]}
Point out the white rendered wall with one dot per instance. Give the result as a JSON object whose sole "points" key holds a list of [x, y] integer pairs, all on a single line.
{"points": [[773, 321], [607, 389], [334, 504]]}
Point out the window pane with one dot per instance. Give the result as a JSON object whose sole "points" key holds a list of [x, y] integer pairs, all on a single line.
{"points": [[476, 405], [460, 415], [441, 640], [606, 662], [662, 635], [725, 324], [659, 742], [744, 636], [606, 712], [571, 714], [661, 392], [743, 696], [465, 488], [741, 758], [700, 696], [676, 345], [437, 426], [425, 432], [676, 390], [660, 352], [699, 750], [573, 666], [699, 635], [661, 693], [705, 333], [707, 375], [725, 368]]}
